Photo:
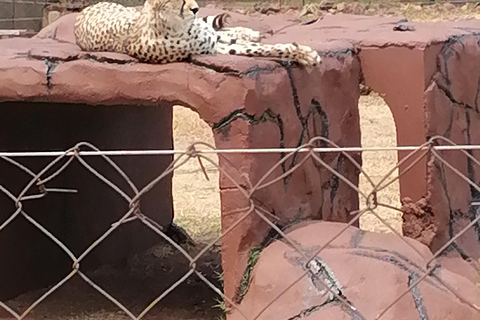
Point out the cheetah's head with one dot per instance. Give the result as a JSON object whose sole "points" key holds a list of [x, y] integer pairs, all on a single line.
{"points": [[189, 8], [182, 8]]}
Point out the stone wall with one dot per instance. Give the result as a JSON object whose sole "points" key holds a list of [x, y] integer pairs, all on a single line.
{"points": [[452, 102], [22, 15], [433, 89]]}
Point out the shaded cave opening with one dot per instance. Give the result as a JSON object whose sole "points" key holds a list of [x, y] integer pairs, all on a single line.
{"points": [[133, 264]]}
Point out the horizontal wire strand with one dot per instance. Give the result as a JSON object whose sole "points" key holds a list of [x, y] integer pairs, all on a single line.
{"points": [[226, 151]]}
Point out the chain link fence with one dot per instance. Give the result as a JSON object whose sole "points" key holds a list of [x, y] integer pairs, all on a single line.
{"points": [[435, 149]]}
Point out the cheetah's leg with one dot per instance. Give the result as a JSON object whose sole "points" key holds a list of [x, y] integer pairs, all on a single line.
{"points": [[301, 54], [236, 34]]}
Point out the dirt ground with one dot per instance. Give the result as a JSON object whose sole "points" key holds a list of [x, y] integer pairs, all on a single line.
{"points": [[135, 286], [197, 209]]}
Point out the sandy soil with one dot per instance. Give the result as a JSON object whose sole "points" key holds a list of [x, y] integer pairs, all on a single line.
{"points": [[378, 130]]}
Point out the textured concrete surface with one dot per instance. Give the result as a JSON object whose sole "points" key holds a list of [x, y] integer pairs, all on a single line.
{"points": [[369, 270]]}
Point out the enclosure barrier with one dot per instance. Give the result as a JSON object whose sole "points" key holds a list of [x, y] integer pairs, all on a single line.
{"points": [[435, 150]]}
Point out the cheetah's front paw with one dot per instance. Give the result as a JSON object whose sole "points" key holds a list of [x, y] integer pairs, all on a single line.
{"points": [[305, 55]]}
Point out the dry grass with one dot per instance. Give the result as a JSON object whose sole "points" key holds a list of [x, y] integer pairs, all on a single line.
{"points": [[196, 199], [414, 11], [438, 11], [378, 130]]}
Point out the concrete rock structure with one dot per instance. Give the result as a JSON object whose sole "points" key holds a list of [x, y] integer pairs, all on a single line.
{"points": [[384, 269], [428, 77]]}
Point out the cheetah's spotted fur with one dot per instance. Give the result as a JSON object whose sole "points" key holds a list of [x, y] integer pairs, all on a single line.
{"points": [[165, 31]]}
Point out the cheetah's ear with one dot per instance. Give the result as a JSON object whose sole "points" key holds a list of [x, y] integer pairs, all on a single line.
{"points": [[221, 21]]}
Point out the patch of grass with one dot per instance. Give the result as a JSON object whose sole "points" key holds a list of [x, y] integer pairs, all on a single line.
{"points": [[253, 256], [222, 305]]}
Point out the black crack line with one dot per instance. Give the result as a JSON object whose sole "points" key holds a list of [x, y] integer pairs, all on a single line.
{"points": [[471, 175], [319, 273], [322, 275], [417, 297], [454, 215], [460, 251], [51, 65], [451, 232], [339, 53], [314, 107], [298, 110], [444, 72], [474, 211], [69, 58], [256, 71], [309, 311], [360, 249], [94, 58], [272, 235], [303, 121], [324, 132], [398, 264], [448, 51], [412, 278], [267, 115], [319, 270], [252, 72], [335, 184], [393, 253], [448, 131], [443, 179]]}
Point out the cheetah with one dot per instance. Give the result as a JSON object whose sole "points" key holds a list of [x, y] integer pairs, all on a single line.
{"points": [[165, 31]]}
